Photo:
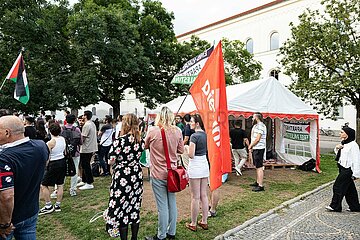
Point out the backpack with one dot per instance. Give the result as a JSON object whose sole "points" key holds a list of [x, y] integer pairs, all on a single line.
{"points": [[72, 139], [308, 165]]}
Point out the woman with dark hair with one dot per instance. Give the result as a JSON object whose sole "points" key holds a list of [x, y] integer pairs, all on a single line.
{"points": [[198, 171], [55, 170], [40, 130], [30, 130], [127, 181], [348, 161]]}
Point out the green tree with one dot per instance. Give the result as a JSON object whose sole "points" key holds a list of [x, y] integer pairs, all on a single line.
{"points": [[323, 56], [39, 27], [240, 66]]}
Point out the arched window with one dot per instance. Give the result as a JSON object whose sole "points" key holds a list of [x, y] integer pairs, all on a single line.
{"points": [[93, 110], [250, 45], [274, 73], [274, 41]]}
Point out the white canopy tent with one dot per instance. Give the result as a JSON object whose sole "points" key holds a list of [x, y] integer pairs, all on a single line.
{"points": [[273, 100]]}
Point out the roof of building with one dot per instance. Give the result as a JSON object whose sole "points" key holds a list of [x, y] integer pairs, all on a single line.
{"points": [[270, 4]]}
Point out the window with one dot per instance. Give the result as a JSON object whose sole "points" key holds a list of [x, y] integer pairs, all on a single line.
{"points": [[111, 110], [93, 110], [274, 41], [274, 73], [250, 45]]}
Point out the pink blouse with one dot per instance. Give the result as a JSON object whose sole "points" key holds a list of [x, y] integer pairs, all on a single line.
{"points": [[153, 141]]}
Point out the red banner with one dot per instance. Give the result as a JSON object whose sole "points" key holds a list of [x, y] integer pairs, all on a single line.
{"points": [[209, 94]]}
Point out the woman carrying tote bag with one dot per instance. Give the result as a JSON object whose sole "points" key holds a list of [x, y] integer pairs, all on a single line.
{"points": [[165, 201]]}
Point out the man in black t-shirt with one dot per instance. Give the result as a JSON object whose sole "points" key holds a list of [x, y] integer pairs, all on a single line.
{"points": [[238, 142], [20, 158]]}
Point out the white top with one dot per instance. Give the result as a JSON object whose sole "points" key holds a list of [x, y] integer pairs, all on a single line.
{"points": [[57, 152], [118, 129], [106, 138], [350, 157], [259, 128]]}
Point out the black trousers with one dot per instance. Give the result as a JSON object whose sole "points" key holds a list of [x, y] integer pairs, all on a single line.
{"points": [[85, 159], [344, 186]]}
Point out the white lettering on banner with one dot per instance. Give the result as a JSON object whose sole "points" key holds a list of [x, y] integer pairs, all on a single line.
{"points": [[206, 89]]}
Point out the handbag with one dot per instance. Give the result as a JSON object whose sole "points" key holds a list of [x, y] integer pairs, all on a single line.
{"points": [[177, 179]]}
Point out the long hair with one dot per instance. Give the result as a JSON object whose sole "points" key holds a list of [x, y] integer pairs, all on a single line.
{"points": [[197, 119], [165, 118], [130, 124]]}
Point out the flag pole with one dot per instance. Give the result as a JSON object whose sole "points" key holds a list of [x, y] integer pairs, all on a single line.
{"points": [[2, 85]]}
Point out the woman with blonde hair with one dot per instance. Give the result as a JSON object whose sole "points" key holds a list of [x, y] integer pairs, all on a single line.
{"points": [[127, 181], [165, 201]]}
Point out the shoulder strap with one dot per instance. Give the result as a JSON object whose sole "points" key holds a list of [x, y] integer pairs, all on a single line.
{"points": [[166, 150]]}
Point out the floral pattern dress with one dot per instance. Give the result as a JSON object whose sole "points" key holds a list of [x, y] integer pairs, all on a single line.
{"points": [[127, 185]]}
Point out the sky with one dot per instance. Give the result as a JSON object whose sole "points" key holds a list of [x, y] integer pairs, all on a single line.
{"points": [[192, 14]]}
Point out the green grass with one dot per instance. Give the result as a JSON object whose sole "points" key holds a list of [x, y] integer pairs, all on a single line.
{"points": [[73, 221]]}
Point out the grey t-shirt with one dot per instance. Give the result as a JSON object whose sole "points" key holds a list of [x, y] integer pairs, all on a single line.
{"points": [[199, 138], [88, 132]]}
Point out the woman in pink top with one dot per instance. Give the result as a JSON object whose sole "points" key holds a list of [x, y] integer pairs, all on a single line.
{"points": [[165, 201]]}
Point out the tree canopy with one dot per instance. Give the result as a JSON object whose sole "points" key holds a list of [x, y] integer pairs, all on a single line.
{"points": [[323, 56]]}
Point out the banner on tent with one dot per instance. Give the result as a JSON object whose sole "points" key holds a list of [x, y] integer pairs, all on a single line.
{"points": [[297, 131], [192, 68]]}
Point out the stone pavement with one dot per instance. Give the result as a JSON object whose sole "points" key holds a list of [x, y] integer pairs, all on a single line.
{"points": [[305, 219]]}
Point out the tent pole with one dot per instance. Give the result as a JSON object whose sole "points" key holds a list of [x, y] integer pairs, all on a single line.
{"points": [[177, 112]]}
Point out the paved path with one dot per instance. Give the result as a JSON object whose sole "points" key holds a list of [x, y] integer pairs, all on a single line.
{"points": [[306, 219]]}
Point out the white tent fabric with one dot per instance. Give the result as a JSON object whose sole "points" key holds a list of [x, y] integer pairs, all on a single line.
{"points": [[265, 95], [271, 98]]}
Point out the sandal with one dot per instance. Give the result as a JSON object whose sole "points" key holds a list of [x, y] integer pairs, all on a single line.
{"points": [[191, 227], [203, 225]]}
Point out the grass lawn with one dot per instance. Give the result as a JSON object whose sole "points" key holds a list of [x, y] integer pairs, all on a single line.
{"points": [[238, 204]]}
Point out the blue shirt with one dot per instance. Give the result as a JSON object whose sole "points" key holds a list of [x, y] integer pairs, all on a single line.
{"points": [[22, 166]]}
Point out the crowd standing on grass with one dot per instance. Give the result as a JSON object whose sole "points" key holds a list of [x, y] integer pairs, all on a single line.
{"points": [[118, 146]]}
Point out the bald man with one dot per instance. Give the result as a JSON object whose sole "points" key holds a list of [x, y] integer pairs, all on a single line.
{"points": [[22, 165]]}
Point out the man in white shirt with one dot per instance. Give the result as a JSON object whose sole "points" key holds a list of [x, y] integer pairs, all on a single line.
{"points": [[257, 148]]}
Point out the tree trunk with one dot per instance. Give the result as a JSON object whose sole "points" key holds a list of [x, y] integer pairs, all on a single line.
{"points": [[116, 109], [358, 124]]}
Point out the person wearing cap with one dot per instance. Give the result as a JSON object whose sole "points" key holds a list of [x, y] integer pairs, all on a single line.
{"points": [[348, 161]]}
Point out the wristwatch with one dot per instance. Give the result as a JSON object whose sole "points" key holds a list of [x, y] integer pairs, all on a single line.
{"points": [[5, 226]]}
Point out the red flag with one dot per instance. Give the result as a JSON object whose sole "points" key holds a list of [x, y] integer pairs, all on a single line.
{"points": [[209, 94]]}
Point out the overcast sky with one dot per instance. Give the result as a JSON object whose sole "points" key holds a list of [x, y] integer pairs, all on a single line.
{"points": [[191, 14]]}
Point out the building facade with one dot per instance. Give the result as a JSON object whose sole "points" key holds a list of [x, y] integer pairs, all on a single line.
{"points": [[263, 30]]}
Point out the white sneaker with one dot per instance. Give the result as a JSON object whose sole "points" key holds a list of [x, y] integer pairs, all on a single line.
{"points": [[53, 194], [329, 208], [238, 171], [72, 192], [86, 187], [80, 184]]}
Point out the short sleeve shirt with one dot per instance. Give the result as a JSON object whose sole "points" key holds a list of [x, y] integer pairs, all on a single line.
{"points": [[199, 138], [237, 136], [89, 138], [259, 128], [106, 137]]}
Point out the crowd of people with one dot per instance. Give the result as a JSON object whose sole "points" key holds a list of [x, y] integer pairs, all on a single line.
{"points": [[118, 145]]}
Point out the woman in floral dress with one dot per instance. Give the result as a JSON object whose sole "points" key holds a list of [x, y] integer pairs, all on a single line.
{"points": [[127, 181]]}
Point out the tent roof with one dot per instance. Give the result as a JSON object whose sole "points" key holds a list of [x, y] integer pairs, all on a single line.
{"points": [[267, 96]]}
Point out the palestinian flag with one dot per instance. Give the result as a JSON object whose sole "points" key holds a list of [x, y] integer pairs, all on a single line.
{"points": [[17, 74]]}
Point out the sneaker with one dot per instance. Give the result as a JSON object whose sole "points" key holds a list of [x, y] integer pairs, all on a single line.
{"points": [[329, 208], [211, 214], [79, 180], [86, 187], [53, 194], [238, 171], [72, 192], [171, 237], [258, 189], [80, 184], [57, 208], [255, 184], [46, 210]]}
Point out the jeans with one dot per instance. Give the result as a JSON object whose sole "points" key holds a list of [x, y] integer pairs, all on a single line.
{"points": [[85, 159], [73, 181], [166, 205], [25, 230], [103, 155]]}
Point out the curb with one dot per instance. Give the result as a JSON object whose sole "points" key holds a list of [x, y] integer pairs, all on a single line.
{"points": [[270, 212]]}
